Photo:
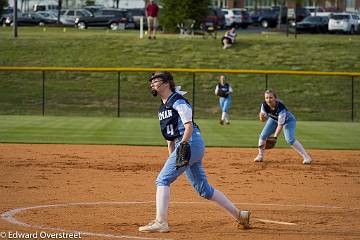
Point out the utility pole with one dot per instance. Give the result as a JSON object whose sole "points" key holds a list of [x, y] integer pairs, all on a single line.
{"points": [[59, 11], [15, 19]]}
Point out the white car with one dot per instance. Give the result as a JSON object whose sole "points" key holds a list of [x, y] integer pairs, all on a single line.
{"points": [[318, 11], [344, 22], [236, 17]]}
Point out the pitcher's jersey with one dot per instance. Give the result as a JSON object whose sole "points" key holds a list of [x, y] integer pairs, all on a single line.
{"points": [[278, 114], [172, 116]]}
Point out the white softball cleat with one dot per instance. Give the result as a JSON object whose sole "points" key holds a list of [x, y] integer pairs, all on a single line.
{"points": [[307, 160], [155, 226], [244, 219], [259, 158]]}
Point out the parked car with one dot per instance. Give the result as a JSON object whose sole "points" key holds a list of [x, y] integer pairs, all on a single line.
{"points": [[314, 10], [45, 7], [47, 15], [236, 17], [68, 16], [358, 16], [137, 13], [313, 24], [125, 17], [110, 21], [28, 19], [94, 8], [216, 17], [344, 22], [265, 18], [301, 13], [283, 10], [7, 12]]}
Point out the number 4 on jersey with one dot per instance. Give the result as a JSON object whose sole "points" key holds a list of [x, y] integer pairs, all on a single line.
{"points": [[170, 129]]}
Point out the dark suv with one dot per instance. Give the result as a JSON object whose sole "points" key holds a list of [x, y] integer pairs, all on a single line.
{"points": [[123, 15], [300, 12], [137, 13], [216, 17], [265, 17]]}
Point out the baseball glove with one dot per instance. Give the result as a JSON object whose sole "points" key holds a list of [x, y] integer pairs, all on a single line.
{"points": [[269, 143], [183, 155], [221, 93]]}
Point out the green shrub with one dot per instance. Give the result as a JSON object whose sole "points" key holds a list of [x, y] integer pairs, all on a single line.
{"points": [[175, 11]]}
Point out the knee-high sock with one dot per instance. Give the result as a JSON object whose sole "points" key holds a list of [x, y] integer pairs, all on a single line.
{"points": [[162, 203], [225, 203], [300, 149], [261, 150], [226, 117], [223, 115]]}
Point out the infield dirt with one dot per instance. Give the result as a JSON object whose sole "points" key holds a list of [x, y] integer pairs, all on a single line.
{"points": [[322, 199]]}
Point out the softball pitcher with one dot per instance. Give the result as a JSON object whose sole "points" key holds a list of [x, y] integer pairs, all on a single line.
{"points": [[224, 91], [178, 128], [277, 117]]}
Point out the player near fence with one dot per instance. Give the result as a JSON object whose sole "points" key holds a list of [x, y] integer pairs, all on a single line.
{"points": [[224, 90], [277, 117], [186, 152]]}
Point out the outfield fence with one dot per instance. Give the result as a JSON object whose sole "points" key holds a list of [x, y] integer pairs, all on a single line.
{"points": [[327, 96]]}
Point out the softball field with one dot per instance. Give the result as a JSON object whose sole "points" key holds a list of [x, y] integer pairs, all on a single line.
{"points": [[107, 192]]}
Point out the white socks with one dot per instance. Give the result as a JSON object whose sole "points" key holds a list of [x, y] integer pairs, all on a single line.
{"points": [[163, 196], [224, 202], [300, 149], [225, 117], [261, 150], [162, 203]]}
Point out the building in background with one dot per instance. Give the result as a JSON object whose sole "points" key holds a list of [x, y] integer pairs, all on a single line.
{"points": [[340, 5]]}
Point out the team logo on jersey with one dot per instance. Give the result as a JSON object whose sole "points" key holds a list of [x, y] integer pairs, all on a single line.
{"points": [[273, 115], [165, 114]]}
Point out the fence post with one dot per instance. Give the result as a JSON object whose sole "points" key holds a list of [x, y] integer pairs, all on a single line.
{"points": [[352, 98], [193, 83], [43, 93], [266, 81], [118, 93]]}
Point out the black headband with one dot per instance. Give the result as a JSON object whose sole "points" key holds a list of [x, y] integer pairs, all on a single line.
{"points": [[165, 76]]}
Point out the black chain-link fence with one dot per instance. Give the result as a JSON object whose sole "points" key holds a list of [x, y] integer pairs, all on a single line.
{"points": [[127, 94]]}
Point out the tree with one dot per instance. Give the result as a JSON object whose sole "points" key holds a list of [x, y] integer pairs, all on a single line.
{"points": [[3, 3], [176, 11]]}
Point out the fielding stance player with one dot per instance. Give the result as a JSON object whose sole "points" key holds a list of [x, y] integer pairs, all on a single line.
{"points": [[184, 143], [224, 91], [277, 117]]}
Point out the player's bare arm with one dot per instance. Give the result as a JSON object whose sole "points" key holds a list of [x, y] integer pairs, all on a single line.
{"points": [[171, 146], [188, 131], [278, 130]]}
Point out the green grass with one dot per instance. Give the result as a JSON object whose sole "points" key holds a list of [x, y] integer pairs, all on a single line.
{"points": [[145, 131], [95, 94], [104, 48]]}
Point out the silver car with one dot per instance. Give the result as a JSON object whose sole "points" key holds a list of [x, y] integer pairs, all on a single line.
{"points": [[68, 16]]}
